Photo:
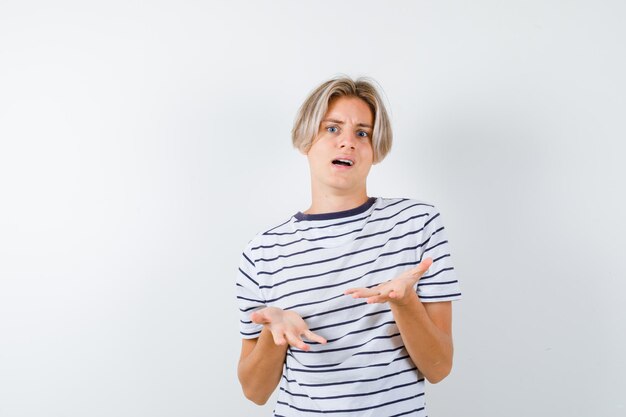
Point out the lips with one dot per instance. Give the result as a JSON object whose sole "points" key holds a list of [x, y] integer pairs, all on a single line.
{"points": [[343, 161]]}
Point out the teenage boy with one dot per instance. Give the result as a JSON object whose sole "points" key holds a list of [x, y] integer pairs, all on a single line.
{"points": [[347, 305]]}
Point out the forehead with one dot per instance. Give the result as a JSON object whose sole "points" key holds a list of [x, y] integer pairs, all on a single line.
{"points": [[352, 108]]}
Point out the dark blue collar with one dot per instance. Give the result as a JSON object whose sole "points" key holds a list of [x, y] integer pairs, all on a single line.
{"points": [[337, 214]]}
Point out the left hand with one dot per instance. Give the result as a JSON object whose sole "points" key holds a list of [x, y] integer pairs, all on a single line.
{"points": [[397, 290]]}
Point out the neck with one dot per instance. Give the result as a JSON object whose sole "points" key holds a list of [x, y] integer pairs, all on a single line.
{"points": [[330, 202]]}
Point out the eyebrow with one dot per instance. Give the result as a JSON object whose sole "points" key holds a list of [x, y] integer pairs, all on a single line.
{"points": [[339, 122]]}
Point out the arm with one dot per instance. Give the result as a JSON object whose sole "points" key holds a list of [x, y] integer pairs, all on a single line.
{"points": [[260, 366], [426, 331], [426, 328], [261, 361]]}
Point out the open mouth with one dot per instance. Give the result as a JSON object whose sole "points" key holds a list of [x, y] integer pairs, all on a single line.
{"points": [[344, 162]]}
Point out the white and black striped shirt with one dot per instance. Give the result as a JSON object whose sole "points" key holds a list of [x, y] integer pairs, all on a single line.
{"points": [[305, 265]]}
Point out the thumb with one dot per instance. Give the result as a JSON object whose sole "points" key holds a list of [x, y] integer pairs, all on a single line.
{"points": [[420, 269], [259, 317], [425, 264]]}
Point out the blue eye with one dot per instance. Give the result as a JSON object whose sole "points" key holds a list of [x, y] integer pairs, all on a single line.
{"points": [[362, 134], [332, 129]]}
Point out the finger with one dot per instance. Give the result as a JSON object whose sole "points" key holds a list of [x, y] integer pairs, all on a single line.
{"points": [[377, 299], [314, 337], [416, 273], [357, 292], [384, 290], [259, 318], [295, 341], [423, 266], [364, 292], [279, 339]]}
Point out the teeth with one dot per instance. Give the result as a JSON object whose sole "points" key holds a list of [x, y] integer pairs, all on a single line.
{"points": [[347, 161]]}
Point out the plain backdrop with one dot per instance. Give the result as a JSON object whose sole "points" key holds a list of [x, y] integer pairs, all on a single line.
{"points": [[142, 144]]}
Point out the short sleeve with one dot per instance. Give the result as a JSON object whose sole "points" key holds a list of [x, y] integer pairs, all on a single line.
{"points": [[440, 282], [249, 297]]}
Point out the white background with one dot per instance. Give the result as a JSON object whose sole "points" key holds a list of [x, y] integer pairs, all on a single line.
{"points": [[142, 144]]}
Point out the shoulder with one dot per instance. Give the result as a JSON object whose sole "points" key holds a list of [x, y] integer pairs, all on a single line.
{"points": [[422, 214], [270, 235], [405, 204]]}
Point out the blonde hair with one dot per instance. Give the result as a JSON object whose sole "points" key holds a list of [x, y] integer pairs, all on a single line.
{"points": [[307, 123]]}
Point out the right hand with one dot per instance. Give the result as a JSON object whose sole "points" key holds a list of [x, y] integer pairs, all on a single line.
{"points": [[286, 327]]}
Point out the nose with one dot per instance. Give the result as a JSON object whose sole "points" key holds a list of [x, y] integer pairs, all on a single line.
{"points": [[347, 139]]}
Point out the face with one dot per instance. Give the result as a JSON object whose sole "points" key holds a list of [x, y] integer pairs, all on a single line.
{"points": [[341, 155]]}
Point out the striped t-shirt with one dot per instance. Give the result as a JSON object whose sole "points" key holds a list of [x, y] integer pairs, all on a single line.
{"points": [[305, 265]]}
